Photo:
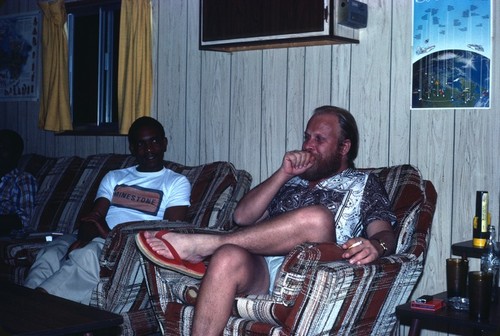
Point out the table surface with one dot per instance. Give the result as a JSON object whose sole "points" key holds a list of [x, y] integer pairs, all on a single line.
{"points": [[449, 316], [24, 311], [466, 249]]}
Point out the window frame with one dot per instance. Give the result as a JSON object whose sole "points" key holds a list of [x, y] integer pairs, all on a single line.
{"points": [[107, 66]]}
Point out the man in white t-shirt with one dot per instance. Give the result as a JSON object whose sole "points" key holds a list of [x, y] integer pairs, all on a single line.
{"points": [[69, 266]]}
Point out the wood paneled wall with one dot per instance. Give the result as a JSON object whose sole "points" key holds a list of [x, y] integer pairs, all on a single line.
{"points": [[250, 107]]}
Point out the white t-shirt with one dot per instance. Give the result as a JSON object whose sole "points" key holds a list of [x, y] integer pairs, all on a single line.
{"points": [[136, 196]]}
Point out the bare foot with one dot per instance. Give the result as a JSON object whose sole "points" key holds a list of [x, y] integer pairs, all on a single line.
{"points": [[184, 245]]}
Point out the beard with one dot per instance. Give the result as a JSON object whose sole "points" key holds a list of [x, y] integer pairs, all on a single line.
{"points": [[323, 168]]}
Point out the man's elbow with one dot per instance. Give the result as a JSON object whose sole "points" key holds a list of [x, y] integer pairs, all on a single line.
{"points": [[242, 217]]}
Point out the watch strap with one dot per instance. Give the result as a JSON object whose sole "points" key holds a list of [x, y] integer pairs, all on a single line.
{"points": [[383, 245]]}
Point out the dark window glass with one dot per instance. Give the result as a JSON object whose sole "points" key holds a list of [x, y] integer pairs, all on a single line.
{"points": [[93, 52]]}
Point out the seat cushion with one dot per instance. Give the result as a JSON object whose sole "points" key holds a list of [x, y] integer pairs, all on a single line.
{"points": [[216, 188], [405, 189]]}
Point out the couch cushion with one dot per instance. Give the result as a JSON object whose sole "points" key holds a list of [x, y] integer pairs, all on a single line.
{"points": [[37, 165], [68, 185], [54, 194], [67, 189], [216, 188], [398, 181], [94, 169]]}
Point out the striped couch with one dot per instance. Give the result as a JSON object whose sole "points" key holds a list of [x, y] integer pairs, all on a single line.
{"points": [[314, 295], [67, 188]]}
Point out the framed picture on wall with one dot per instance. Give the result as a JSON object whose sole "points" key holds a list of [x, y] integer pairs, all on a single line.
{"points": [[20, 37], [451, 54]]}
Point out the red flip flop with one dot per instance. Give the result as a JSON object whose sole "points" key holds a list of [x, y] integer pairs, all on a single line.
{"points": [[196, 270]]}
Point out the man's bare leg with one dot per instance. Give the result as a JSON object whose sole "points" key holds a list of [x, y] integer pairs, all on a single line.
{"points": [[237, 266], [275, 236], [233, 271]]}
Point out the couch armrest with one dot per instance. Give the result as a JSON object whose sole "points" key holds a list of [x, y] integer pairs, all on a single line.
{"points": [[121, 261], [311, 288], [117, 238], [122, 287], [357, 300]]}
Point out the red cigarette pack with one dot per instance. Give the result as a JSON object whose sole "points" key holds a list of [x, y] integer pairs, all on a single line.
{"points": [[432, 305]]}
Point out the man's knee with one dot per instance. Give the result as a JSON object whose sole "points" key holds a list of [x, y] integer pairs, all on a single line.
{"points": [[318, 214], [319, 220], [230, 258], [87, 256], [236, 267]]}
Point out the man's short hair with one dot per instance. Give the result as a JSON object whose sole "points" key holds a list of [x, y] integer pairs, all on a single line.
{"points": [[348, 127], [15, 142], [144, 122]]}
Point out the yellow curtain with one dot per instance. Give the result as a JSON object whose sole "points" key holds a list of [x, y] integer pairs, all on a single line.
{"points": [[54, 102], [135, 65]]}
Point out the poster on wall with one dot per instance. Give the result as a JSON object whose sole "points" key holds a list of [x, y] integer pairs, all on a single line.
{"points": [[19, 56], [451, 54]]}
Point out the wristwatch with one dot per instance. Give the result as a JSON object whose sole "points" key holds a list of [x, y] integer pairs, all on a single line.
{"points": [[384, 246]]}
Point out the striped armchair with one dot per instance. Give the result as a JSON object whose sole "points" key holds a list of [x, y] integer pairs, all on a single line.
{"points": [[314, 295]]}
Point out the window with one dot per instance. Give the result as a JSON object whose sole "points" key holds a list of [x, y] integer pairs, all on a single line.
{"points": [[93, 35]]}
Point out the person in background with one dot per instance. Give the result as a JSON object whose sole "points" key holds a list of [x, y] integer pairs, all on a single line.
{"points": [[17, 188], [69, 266], [316, 195]]}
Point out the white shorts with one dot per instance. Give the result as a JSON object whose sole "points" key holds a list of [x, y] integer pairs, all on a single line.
{"points": [[273, 265]]}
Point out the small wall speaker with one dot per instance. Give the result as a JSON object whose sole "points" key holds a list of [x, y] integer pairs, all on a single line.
{"points": [[353, 13]]}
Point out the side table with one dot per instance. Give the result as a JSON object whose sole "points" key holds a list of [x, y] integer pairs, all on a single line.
{"points": [[443, 319], [466, 249]]}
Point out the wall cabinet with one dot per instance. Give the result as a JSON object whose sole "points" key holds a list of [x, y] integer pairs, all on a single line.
{"points": [[235, 25]]}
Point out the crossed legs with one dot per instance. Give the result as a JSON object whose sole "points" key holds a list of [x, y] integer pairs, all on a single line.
{"points": [[237, 265]]}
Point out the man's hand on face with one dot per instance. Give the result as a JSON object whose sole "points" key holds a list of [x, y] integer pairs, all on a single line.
{"points": [[297, 162]]}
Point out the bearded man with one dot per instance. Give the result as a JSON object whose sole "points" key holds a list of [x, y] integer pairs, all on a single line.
{"points": [[316, 195]]}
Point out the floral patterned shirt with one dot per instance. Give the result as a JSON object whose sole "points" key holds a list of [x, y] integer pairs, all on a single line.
{"points": [[354, 197]]}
